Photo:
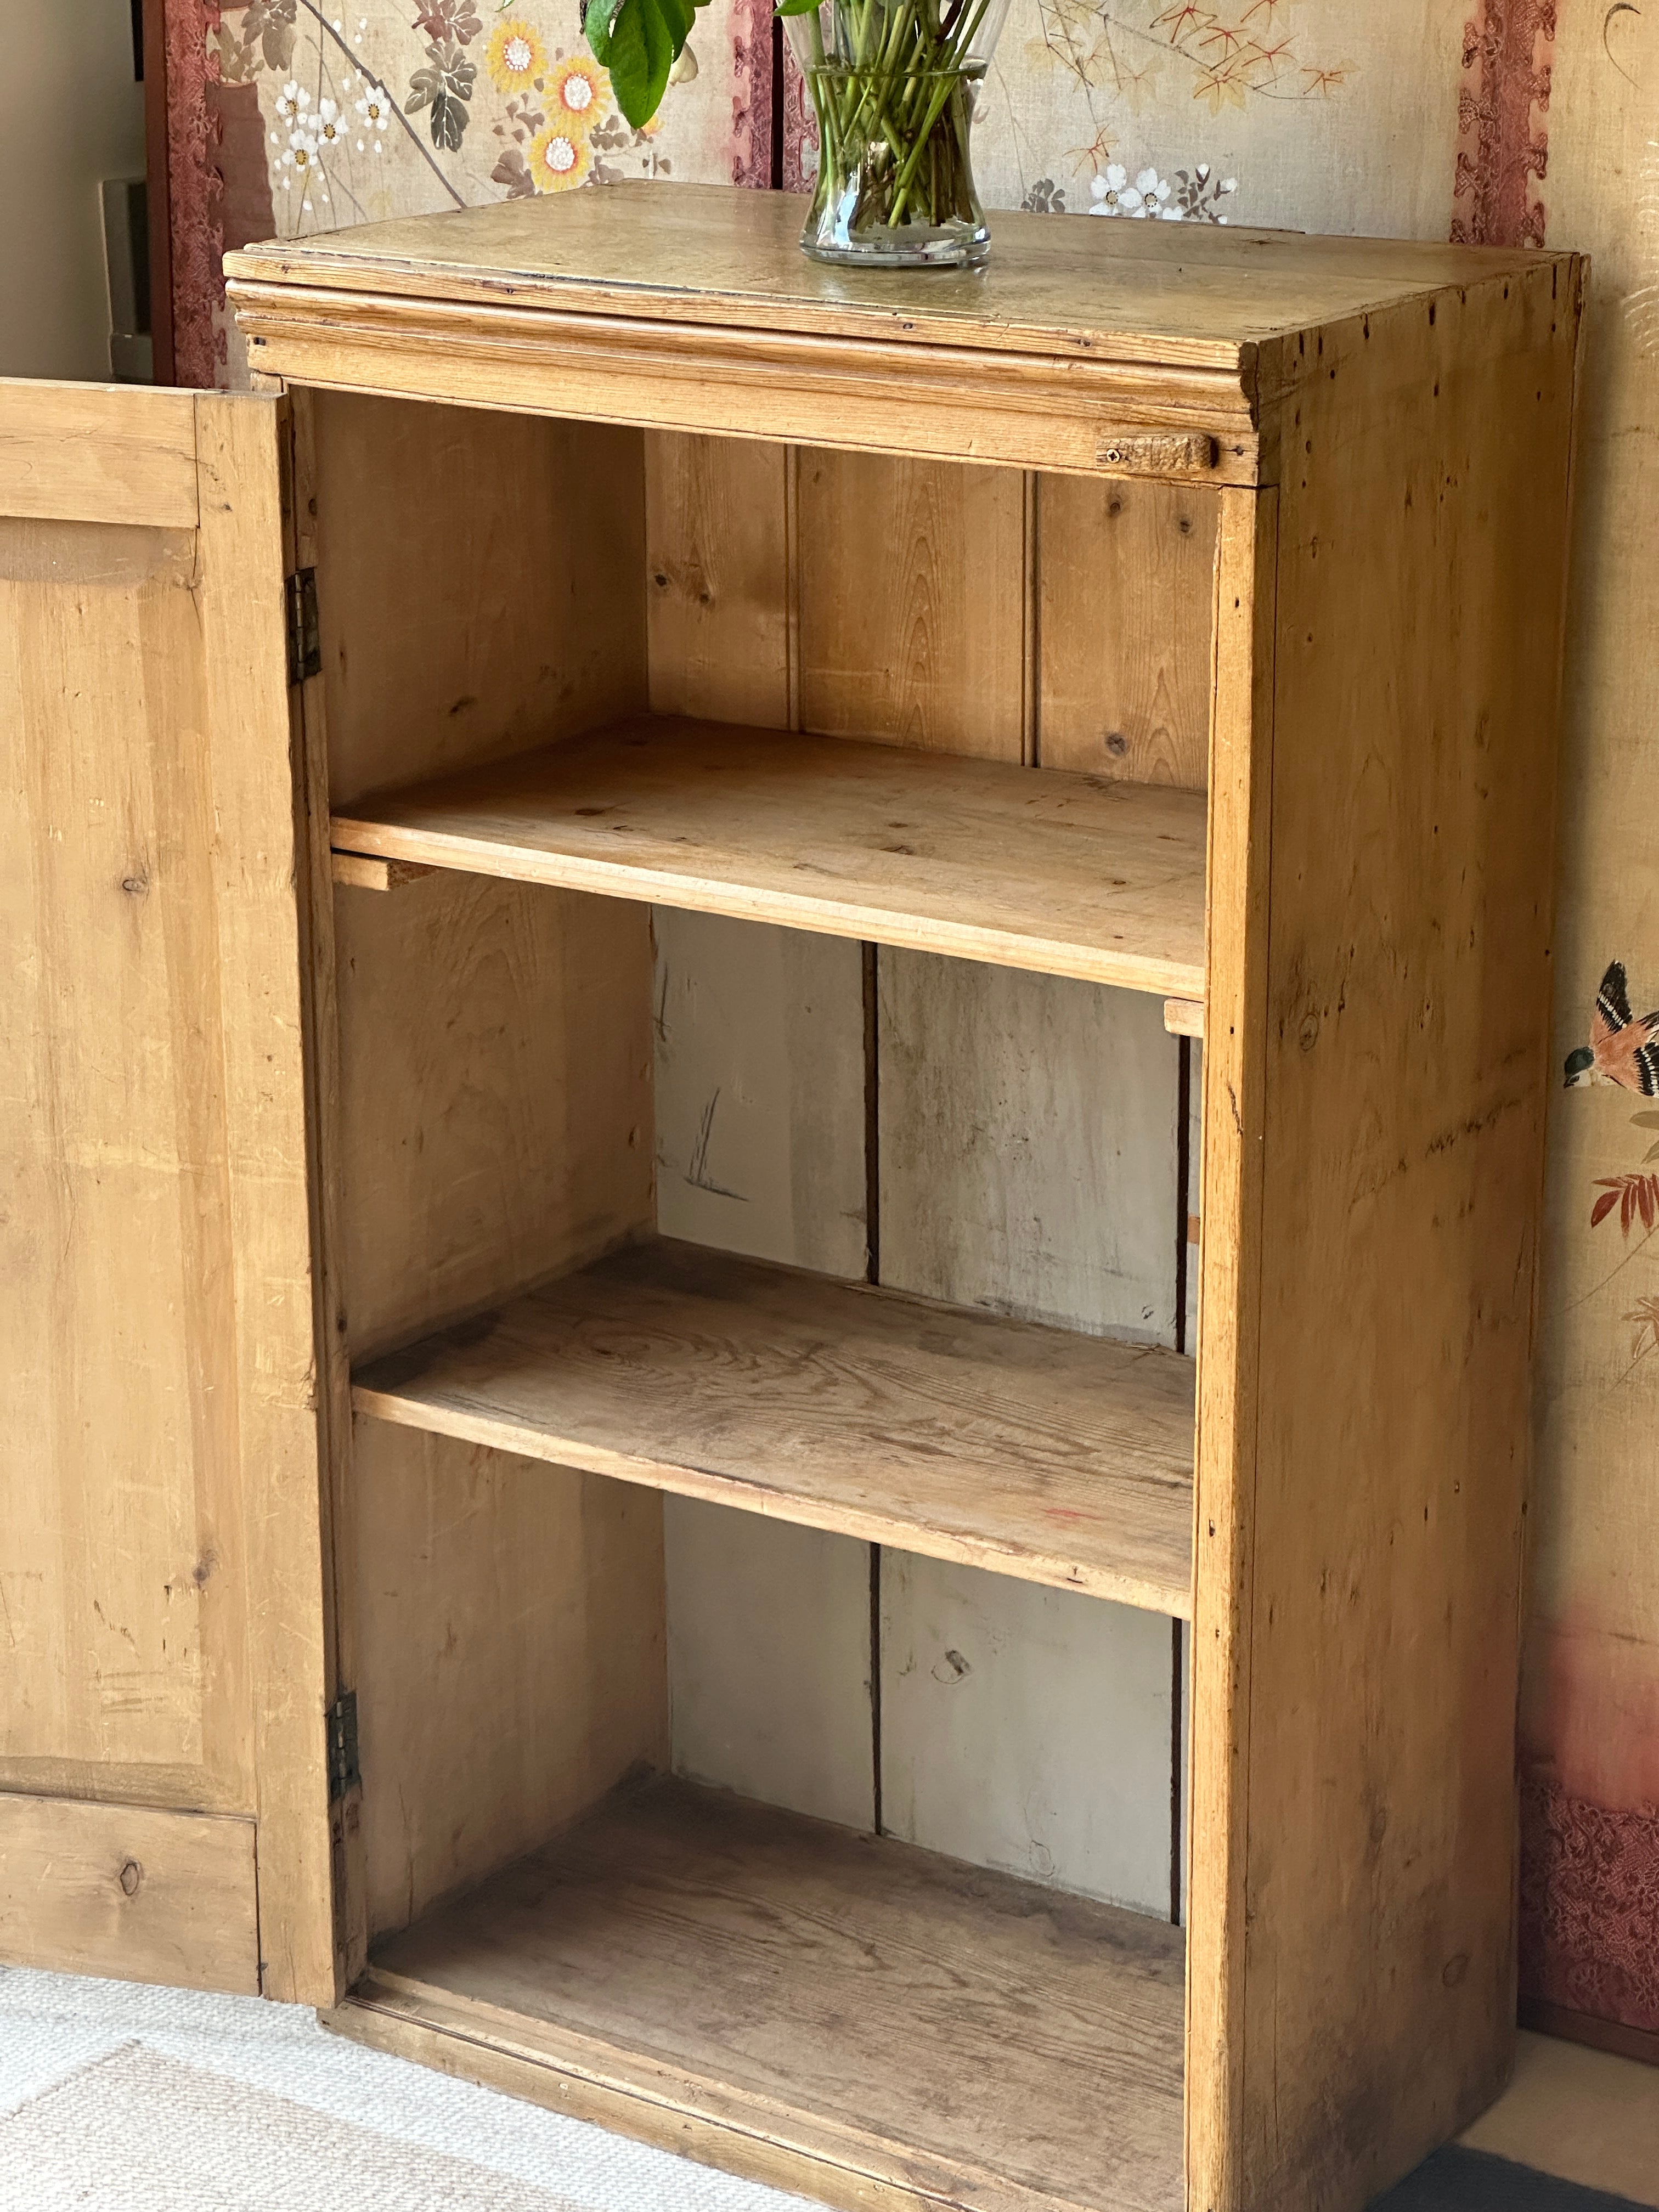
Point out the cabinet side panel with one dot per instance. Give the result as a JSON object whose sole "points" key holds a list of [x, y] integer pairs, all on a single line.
{"points": [[481, 588], [1422, 558], [512, 1666], [481, 583]]}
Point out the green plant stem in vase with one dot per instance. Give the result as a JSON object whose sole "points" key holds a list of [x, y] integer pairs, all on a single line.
{"points": [[893, 84]]}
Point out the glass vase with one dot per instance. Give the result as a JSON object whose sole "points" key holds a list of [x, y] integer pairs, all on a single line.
{"points": [[893, 84]]}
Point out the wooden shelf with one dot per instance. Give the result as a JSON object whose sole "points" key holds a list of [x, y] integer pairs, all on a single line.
{"points": [[1052, 1457], [1062, 874], [683, 1962]]}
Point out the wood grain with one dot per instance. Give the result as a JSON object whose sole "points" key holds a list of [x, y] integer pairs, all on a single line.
{"points": [[1096, 415], [124, 1566], [489, 1713], [1233, 1113], [357, 871], [1371, 1931], [1065, 875], [718, 593], [760, 1115], [1028, 1730], [1136, 292], [93, 453], [497, 2049], [496, 1117], [461, 616], [958, 2033], [129, 1891], [1126, 604], [484, 1063], [1057, 1458], [258, 865], [162, 1585], [1028, 1145], [912, 602], [1028, 1167]]}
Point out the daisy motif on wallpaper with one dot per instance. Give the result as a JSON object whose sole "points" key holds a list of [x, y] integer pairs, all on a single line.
{"points": [[449, 84]]}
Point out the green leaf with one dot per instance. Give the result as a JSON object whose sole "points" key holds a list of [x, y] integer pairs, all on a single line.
{"points": [[642, 51], [595, 26], [793, 7]]}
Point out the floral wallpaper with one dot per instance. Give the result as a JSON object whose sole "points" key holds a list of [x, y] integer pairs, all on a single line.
{"points": [[1489, 121]]}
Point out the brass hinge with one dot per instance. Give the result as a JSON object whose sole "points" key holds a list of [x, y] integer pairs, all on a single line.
{"points": [[345, 1774], [305, 645]]}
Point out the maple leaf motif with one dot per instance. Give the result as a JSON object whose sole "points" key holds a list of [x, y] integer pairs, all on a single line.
{"points": [[443, 20]]}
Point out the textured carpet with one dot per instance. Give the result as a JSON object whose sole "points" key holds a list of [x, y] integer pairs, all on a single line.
{"points": [[118, 2099]]}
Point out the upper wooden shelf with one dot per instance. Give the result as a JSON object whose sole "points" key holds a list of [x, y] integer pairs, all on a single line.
{"points": [[1052, 1457], [1110, 348], [1060, 874]]}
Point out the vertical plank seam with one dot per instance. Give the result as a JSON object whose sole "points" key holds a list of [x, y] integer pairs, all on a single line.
{"points": [[1183, 1182], [1176, 1725], [1030, 743], [792, 581], [873, 1273]]}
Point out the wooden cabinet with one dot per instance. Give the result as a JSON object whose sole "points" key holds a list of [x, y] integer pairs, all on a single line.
{"points": [[710, 952]]}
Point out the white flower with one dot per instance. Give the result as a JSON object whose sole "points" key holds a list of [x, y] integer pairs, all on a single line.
{"points": [[1228, 185], [330, 127], [292, 102], [1107, 192], [1146, 196], [301, 156], [373, 109]]}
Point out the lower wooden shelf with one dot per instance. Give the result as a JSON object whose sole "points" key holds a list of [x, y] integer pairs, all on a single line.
{"points": [[824, 2010], [1054, 1457]]}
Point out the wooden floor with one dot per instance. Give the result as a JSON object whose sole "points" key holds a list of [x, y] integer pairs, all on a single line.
{"points": [[1062, 874], [910, 2022], [960, 1435]]}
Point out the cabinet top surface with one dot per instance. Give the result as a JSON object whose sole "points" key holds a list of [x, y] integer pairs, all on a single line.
{"points": [[699, 254]]}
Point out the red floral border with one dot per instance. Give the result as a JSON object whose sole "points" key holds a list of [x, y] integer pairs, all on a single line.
{"points": [[1503, 109], [1589, 1906], [751, 100], [193, 183]]}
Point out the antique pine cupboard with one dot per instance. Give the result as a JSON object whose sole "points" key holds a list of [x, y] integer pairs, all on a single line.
{"points": [[1154, 639]]}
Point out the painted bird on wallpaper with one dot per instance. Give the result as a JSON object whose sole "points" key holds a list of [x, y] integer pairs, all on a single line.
{"points": [[1623, 1048]]}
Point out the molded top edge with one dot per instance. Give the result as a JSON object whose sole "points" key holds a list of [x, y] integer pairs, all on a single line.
{"points": [[1182, 296]]}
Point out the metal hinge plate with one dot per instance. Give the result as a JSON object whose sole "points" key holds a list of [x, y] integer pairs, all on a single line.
{"points": [[305, 645], [345, 1774]]}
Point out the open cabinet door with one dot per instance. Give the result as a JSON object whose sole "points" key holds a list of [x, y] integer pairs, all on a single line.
{"points": [[164, 1666]]}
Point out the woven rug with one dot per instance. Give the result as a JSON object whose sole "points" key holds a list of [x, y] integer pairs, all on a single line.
{"points": [[118, 2099]]}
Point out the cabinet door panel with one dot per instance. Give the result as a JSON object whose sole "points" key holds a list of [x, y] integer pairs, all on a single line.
{"points": [[161, 1590]]}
